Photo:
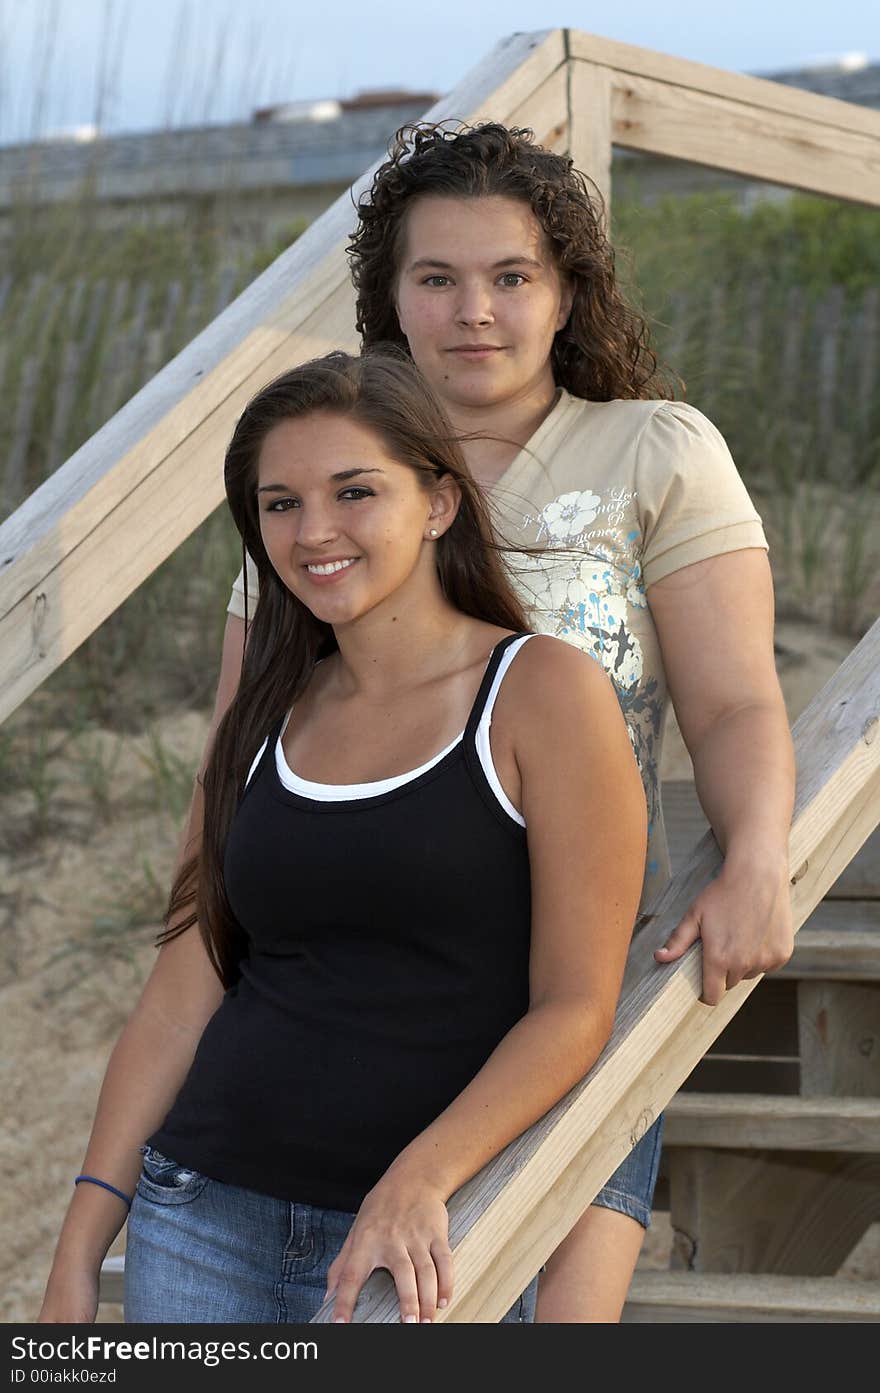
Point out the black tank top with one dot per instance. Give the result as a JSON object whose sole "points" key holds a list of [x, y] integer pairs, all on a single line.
{"points": [[388, 954]]}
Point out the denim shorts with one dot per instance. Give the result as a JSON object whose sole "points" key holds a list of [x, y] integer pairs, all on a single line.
{"points": [[630, 1190], [199, 1250]]}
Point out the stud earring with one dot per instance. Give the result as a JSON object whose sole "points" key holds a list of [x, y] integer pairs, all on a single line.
{"points": [[433, 532]]}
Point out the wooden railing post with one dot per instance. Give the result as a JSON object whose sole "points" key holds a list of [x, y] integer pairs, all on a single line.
{"points": [[589, 97]]}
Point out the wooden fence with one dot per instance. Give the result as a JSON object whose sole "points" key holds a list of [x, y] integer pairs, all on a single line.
{"points": [[811, 362], [71, 355], [109, 516]]}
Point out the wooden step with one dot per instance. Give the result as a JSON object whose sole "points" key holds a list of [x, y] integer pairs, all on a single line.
{"points": [[686, 823], [695, 1296], [766, 1120], [839, 942], [662, 1297], [110, 1284]]}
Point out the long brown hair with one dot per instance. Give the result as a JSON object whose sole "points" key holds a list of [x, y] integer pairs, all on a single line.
{"points": [[383, 391], [603, 352]]}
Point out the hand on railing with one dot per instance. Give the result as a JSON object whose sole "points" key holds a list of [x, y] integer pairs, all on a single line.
{"points": [[403, 1226], [744, 919]]}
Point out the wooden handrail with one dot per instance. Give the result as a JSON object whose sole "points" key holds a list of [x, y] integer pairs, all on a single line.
{"points": [[507, 1220]]}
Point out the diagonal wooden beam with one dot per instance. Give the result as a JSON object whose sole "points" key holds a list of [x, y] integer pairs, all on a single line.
{"points": [[750, 126], [735, 135], [507, 1220], [760, 92]]}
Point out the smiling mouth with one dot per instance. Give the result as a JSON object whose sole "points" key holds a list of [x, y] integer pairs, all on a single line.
{"points": [[329, 568]]}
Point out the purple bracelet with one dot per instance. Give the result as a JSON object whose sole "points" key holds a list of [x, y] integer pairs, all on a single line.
{"points": [[93, 1180]]}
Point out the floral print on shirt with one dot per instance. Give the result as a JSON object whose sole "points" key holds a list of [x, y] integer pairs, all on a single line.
{"points": [[588, 589]]}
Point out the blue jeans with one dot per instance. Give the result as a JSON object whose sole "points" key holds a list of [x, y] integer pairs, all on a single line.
{"points": [[630, 1190], [202, 1251]]}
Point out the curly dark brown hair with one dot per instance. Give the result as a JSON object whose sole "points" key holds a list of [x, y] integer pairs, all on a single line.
{"points": [[603, 352]]}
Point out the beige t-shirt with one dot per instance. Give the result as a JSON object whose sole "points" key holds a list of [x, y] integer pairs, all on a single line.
{"points": [[625, 492]]}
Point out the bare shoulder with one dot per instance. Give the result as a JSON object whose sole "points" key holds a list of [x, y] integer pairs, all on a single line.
{"points": [[556, 699], [548, 674]]}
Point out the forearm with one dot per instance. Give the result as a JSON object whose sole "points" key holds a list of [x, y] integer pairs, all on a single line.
{"points": [[147, 1066], [744, 772], [533, 1066]]}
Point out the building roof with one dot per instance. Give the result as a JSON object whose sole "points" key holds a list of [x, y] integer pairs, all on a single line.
{"points": [[850, 79], [295, 144], [299, 150]]}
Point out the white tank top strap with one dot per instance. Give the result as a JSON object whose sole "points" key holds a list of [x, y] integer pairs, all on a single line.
{"points": [[483, 743], [257, 757]]}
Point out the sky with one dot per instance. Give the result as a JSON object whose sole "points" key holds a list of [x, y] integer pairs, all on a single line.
{"points": [[129, 65]]}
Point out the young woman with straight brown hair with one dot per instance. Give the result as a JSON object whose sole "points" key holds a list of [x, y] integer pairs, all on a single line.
{"points": [[372, 977]]}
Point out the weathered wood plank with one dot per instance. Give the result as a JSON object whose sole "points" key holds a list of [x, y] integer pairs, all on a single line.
{"points": [[664, 1297], [759, 92], [65, 395], [100, 403], [545, 111], [112, 1279], [770, 1016], [787, 1124], [16, 460], [686, 823], [769, 1211], [58, 549], [686, 124], [839, 942], [793, 340], [722, 1073], [839, 1029], [829, 315], [590, 99], [867, 359]]}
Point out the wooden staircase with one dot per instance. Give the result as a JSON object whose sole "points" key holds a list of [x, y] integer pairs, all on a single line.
{"points": [[771, 1151]]}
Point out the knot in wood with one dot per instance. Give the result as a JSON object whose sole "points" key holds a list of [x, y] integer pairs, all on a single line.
{"points": [[641, 1125], [38, 616]]}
